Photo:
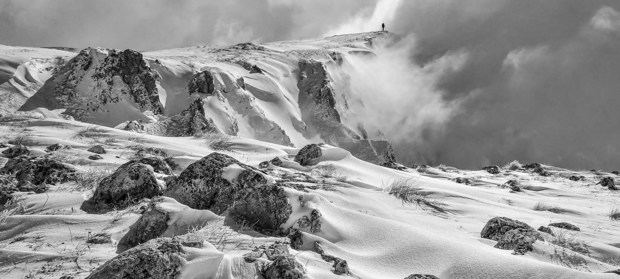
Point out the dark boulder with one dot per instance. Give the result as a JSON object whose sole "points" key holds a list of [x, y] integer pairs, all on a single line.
{"points": [[608, 182], [160, 258], [537, 168], [421, 276], [38, 171], [492, 169], [152, 224], [248, 197], [463, 180], [284, 267], [546, 230], [566, 226], [95, 157], [514, 185], [520, 240], [159, 165], [296, 238], [308, 154], [98, 149], [576, 178], [15, 151], [191, 121], [54, 147], [498, 226], [130, 183], [311, 224]]}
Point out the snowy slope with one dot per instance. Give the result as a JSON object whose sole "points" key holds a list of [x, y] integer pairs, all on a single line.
{"points": [[379, 235]]}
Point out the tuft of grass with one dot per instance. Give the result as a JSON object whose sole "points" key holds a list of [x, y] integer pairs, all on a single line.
{"points": [[89, 179], [614, 214], [569, 241], [407, 193], [555, 209], [218, 141], [91, 132]]}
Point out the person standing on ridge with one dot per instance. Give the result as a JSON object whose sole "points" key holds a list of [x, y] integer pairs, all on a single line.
{"points": [[382, 26]]}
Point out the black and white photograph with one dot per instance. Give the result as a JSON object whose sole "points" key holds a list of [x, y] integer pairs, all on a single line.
{"points": [[309, 139]]}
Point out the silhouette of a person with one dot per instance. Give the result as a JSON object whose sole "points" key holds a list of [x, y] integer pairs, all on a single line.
{"points": [[382, 26]]}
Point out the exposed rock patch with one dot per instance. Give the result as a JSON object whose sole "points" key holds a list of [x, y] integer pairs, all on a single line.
{"points": [[608, 182], [546, 230], [339, 266], [95, 157], [160, 258], [248, 196], [510, 234], [492, 169], [308, 154], [202, 83], [97, 149], [566, 226], [30, 171], [152, 224], [54, 147], [15, 150], [130, 183], [421, 276]]}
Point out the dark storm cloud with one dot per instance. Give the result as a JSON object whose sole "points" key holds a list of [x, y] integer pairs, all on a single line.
{"points": [[540, 83]]}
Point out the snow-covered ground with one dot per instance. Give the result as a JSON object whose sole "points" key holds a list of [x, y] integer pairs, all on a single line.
{"points": [[384, 222]]}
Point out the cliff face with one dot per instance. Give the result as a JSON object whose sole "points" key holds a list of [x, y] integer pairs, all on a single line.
{"points": [[102, 87]]}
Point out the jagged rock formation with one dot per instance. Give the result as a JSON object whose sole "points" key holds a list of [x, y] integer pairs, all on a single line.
{"points": [[98, 82], [219, 182]]}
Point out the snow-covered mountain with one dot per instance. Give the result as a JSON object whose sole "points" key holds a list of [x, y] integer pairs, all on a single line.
{"points": [[253, 161], [290, 93]]}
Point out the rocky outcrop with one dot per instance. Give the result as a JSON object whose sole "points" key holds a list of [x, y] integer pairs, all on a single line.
{"points": [[160, 258], [31, 171], [96, 78], [498, 226], [513, 184], [520, 240], [219, 183], [97, 149], [308, 155], [152, 224], [54, 147], [339, 265], [546, 230], [190, 122], [565, 225], [130, 183], [202, 83], [318, 104], [510, 234], [492, 169], [537, 168], [421, 276], [16, 150], [608, 182], [284, 267]]}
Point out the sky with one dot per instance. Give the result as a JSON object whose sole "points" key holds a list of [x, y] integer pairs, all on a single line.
{"points": [[496, 80]]}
